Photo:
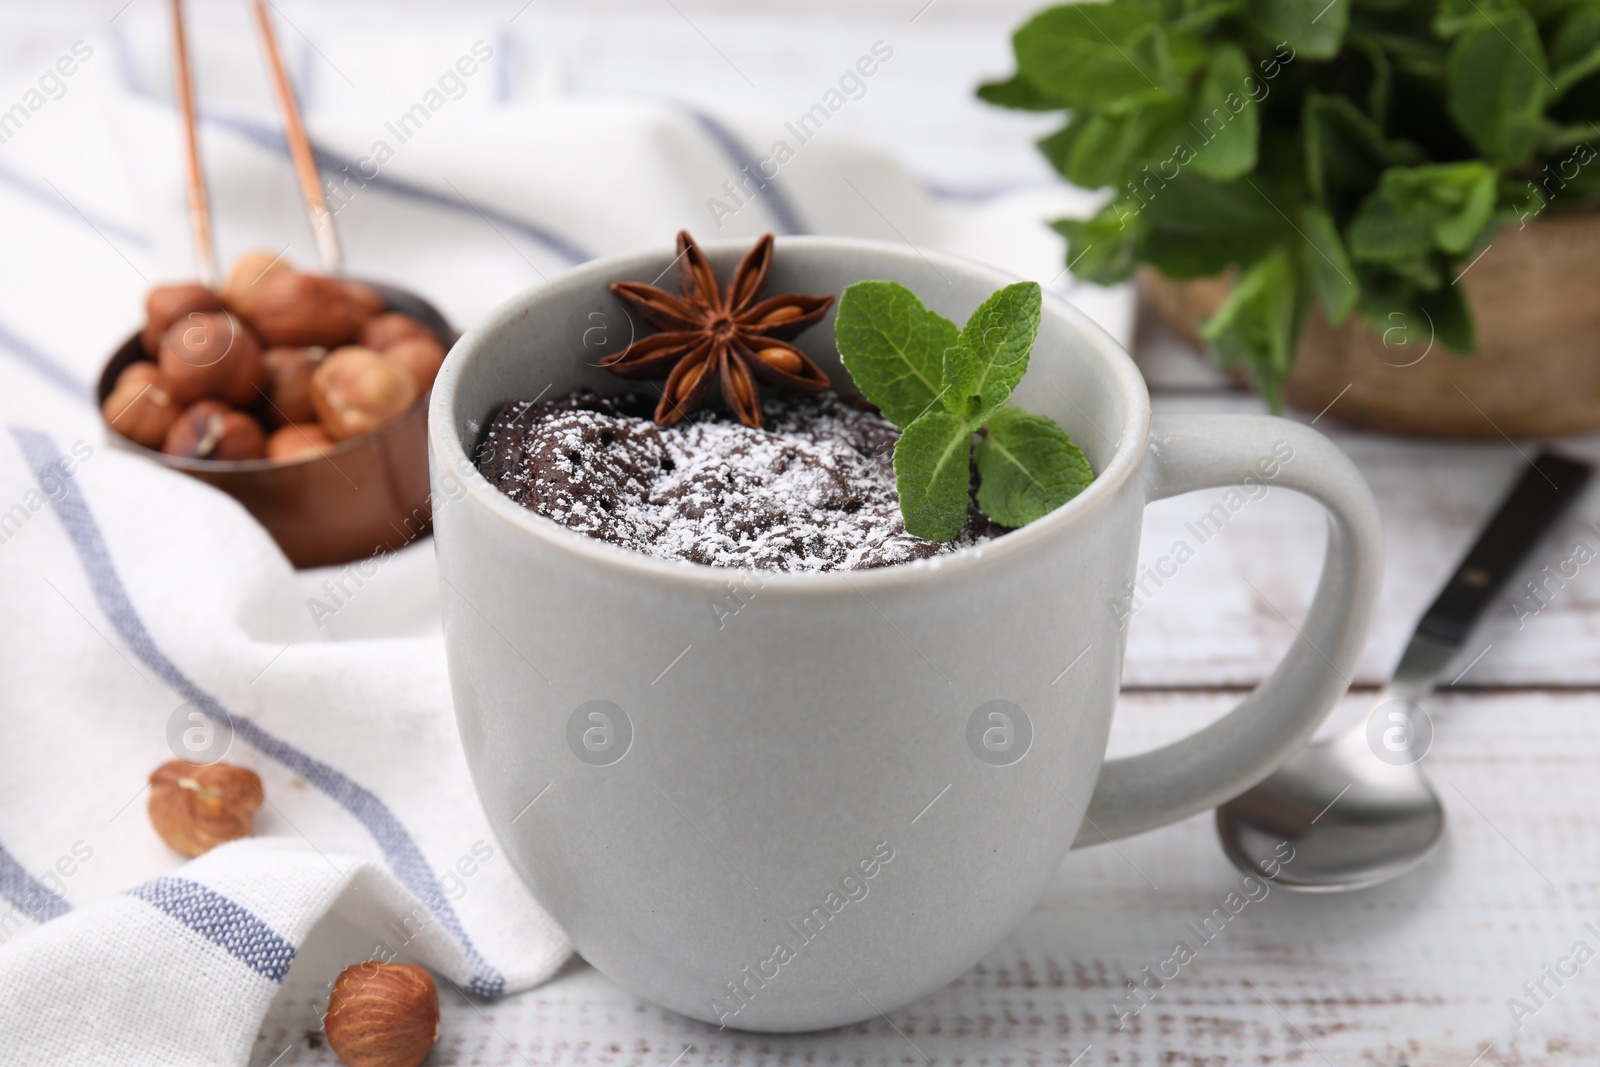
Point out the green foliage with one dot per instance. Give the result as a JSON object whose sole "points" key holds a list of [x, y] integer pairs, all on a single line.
{"points": [[1258, 322], [1353, 155], [1235, 134], [1028, 466], [942, 387], [1497, 86], [1418, 210], [991, 356], [932, 461], [893, 347]]}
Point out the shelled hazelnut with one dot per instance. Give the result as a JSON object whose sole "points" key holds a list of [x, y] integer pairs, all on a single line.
{"points": [[195, 807], [366, 299], [225, 365], [356, 390], [140, 406], [288, 383], [421, 358], [165, 304], [382, 1015], [249, 272], [307, 309], [212, 354], [390, 328], [209, 429], [298, 440]]}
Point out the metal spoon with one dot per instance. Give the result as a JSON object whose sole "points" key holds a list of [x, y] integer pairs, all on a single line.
{"points": [[1356, 809]]}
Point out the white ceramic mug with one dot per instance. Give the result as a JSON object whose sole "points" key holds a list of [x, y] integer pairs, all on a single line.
{"points": [[785, 802]]}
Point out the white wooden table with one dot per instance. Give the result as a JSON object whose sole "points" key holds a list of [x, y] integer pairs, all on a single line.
{"points": [[1415, 973]]}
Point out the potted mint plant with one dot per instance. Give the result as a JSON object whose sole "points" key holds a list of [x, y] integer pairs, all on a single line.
{"points": [[1379, 203]]}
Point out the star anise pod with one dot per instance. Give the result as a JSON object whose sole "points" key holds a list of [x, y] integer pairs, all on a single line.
{"points": [[712, 335]]}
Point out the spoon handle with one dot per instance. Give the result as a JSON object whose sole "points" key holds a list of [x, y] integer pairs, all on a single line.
{"points": [[1524, 516], [205, 253], [300, 151]]}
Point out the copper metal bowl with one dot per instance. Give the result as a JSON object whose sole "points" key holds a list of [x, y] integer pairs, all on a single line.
{"points": [[368, 495]]}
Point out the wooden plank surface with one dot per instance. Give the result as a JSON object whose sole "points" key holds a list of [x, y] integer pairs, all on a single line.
{"points": [[1207, 626], [1416, 973]]}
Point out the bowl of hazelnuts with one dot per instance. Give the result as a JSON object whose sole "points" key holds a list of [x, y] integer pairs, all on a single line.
{"points": [[302, 396]]}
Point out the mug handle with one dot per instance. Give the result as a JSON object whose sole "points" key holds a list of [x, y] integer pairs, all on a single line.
{"points": [[1190, 452]]}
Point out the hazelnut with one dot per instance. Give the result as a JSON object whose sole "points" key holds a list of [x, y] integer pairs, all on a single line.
{"points": [[298, 441], [306, 309], [165, 304], [391, 327], [212, 354], [365, 298], [382, 1015], [196, 807], [209, 429], [288, 388], [140, 406], [250, 272], [420, 356], [356, 390]]}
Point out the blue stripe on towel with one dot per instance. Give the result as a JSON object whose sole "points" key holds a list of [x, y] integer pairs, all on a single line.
{"points": [[768, 189], [337, 166], [405, 859], [222, 922], [27, 894], [44, 365], [53, 200], [271, 138]]}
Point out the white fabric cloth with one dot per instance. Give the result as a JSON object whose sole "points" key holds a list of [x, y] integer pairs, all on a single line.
{"points": [[140, 603]]}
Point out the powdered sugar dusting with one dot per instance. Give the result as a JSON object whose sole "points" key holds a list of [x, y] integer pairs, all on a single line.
{"points": [[811, 491]]}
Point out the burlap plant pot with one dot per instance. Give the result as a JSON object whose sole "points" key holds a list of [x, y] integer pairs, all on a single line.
{"points": [[1536, 294]]}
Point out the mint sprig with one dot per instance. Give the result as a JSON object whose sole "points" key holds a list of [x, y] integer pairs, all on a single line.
{"points": [[1028, 467], [943, 387], [1352, 154]]}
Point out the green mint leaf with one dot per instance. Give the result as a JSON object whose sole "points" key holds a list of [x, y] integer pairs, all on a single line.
{"points": [[1195, 227], [1497, 85], [1028, 466], [1388, 231], [1446, 309], [1312, 30], [1103, 249], [992, 356], [1194, 16], [1380, 73], [1189, 53], [893, 347], [1424, 272], [1019, 93], [1346, 152], [1410, 320], [1389, 306], [1093, 54], [1414, 50], [1517, 200], [1453, 17], [1226, 122], [1575, 48], [932, 469], [1098, 146], [1259, 324], [1415, 210], [1325, 265]]}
